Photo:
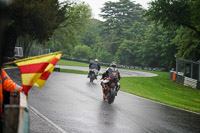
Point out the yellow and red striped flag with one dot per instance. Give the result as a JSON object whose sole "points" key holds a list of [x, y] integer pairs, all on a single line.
{"points": [[36, 70]]}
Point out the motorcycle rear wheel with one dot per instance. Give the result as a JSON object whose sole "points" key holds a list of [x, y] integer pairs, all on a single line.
{"points": [[111, 96], [92, 76]]}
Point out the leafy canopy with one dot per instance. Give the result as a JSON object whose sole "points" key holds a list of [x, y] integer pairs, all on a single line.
{"points": [[176, 13]]}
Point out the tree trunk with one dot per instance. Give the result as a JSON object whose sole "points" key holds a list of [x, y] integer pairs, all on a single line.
{"points": [[10, 42]]}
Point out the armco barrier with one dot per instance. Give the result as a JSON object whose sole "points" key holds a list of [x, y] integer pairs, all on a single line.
{"points": [[190, 82], [184, 80], [170, 75], [119, 66], [198, 85], [180, 79]]}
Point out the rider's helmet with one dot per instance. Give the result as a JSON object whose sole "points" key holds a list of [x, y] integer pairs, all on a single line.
{"points": [[113, 64], [96, 60]]}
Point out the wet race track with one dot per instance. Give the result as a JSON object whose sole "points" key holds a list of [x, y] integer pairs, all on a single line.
{"points": [[73, 104]]}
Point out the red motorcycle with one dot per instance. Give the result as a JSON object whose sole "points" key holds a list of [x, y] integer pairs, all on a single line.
{"points": [[111, 91]]}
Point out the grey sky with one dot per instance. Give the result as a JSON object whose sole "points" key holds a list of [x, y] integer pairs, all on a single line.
{"points": [[97, 4]]}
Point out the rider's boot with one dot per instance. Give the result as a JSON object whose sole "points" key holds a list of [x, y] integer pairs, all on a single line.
{"points": [[117, 89], [88, 75], [104, 86]]}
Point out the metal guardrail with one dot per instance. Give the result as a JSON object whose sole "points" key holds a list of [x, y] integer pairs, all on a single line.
{"points": [[119, 66], [179, 78]]}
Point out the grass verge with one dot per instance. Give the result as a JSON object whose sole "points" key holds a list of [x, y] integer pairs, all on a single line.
{"points": [[71, 63], [9, 66], [74, 63], [73, 71], [163, 90]]}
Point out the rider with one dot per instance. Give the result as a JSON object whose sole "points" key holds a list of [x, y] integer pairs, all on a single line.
{"points": [[106, 77], [94, 65]]}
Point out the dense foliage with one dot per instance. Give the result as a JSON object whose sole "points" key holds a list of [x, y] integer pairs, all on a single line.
{"points": [[183, 14], [129, 34], [127, 37], [66, 37], [34, 20]]}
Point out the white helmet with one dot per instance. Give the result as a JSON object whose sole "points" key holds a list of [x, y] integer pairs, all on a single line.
{"points": [[96, 60]]}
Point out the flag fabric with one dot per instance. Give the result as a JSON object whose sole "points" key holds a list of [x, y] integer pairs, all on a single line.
{"points": [[36, 70]]}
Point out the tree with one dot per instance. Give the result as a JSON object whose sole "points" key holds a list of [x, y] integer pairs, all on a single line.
{"points": [[36, 19], [67, 35], [188, 44], [185, 15], [158, 49], [82, 52], [119, 16], [90, 36], [176, 13], [125, 52]]}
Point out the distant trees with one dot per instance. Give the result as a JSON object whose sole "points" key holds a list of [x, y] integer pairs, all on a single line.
{"points": [[82, 52], [66, 37], [119, 18], [125, 36]]}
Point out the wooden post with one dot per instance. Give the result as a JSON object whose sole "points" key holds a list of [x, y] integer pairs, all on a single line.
{"points": [[176, 65], [191, 70], [199, 70]]}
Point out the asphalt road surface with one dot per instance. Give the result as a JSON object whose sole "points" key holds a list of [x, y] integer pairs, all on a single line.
{"points": [[70, 103]]}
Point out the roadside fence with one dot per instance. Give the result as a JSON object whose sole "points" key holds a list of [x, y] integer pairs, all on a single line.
{"points": [[187, 73]]}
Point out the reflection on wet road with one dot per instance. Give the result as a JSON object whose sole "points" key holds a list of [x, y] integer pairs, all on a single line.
{"points": [[76, 105]]}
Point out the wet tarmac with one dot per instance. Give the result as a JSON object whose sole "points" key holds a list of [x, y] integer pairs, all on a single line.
{"points": [[74, 104]]}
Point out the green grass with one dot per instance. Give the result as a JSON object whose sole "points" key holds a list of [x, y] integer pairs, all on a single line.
{"points": [[163, 90], [71, 63], [159, 88], [74, 63], [9, 66], [73, 71]]}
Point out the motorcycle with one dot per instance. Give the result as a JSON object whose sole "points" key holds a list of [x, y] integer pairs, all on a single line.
{"points": [[93, 73], [111, 91]]}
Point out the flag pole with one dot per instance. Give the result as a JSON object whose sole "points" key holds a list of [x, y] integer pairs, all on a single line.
{"points": [[8, 63]]}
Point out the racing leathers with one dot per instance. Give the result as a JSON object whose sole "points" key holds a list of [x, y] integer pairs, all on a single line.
{"points": [[106, 78], [94, 65]]}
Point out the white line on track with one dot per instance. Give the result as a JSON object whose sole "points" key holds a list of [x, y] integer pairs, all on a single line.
{"points": [[36, 112]]}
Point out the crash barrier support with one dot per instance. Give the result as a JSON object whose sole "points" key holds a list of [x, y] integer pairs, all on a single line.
{"points": [[179, 78], [56, 69]]}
